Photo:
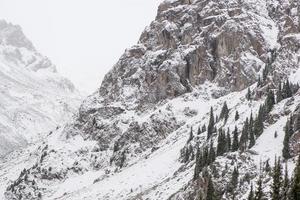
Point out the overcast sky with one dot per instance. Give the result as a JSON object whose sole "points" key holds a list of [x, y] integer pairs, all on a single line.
{"points": [[84, 38]]}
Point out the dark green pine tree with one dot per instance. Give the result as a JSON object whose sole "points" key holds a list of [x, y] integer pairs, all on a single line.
{"points": [[123, 158], [235, 143], [248, 95], [251, 140], [244, 136], [251, 133], [295, 187], [187, 154], [212, 153], [289, 92], [197, 169], [286, 185], [277, 180], [228, 141], [211, 124], [234, 180], [205, 156], [203, 128], [210, 194], [199, 131], [275, 134], [224, 112], [191, 136], [286, 90], [266, 71], [268, 167], [279, 96], [259, 194], [237, 116], [270, 101], [259, 82], [286, 149], [297, 123], [291, 125], [258, 126], [251, 193], [221, 146], [251, 122]]}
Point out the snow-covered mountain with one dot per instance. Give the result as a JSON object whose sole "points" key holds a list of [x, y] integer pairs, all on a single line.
{"points": [[203, 105], [34, 99]]}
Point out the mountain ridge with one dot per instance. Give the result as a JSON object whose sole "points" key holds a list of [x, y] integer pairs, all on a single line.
{"points": [[141, 135]]}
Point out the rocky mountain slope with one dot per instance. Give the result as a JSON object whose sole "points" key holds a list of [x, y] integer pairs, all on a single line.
{"points": [[158, 127], [34, 99]]}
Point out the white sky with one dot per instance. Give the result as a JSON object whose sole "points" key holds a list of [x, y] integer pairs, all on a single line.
{"points": [[84, 38]]}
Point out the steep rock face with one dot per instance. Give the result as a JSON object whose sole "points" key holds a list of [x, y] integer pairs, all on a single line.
{"points": [[130, 136], [34, 98], [190, 43]]}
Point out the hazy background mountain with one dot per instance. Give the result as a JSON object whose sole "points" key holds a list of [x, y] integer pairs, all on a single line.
{"points": [[83, 38]]}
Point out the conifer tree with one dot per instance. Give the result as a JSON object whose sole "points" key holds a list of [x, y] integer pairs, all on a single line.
{"points": [[248, 95], [251, 122], [251, 139], [251, 194], [210, 194], [244, 136], [275, 134], [286, 185], [203, 128], [237, 116], [277, 180], [235, 143], [123, 158], [197, 166], [228, 141], [295, 188], [289, 92], [186, 155], [268, 167], [259, 122], [234, 180], [270, 101], [211, 124], [266, 71], [291, 125], [212, 154], [297, 123], [279, 96], [191, 135], [259, 82], [224, 112], [205, 156], [199, 131], [286, 149], [221, 146], [259, 194], [286, 90]]}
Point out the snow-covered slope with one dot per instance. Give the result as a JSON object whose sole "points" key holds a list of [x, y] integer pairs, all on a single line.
{"points": [[34, 99], [140, 136]]}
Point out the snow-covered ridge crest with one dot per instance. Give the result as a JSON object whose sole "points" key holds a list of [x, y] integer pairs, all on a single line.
{"points": [[137, 137], [34, 98]]}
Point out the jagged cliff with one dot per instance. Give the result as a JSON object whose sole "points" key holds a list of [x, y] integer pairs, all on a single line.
{"points": [[135, 138]]}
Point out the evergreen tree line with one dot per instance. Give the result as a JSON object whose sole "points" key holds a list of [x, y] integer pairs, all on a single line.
{"points": [[282, 188], [283, 91], [292, 125]]}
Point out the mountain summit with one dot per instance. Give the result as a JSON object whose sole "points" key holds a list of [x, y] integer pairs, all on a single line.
{"points": [[205, 106]]}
